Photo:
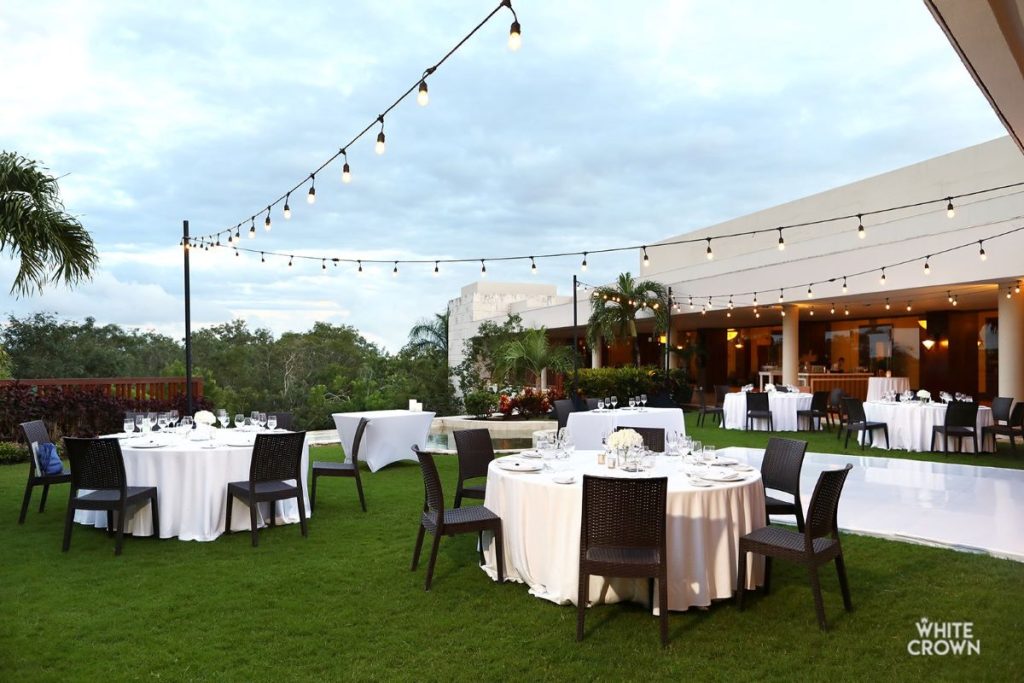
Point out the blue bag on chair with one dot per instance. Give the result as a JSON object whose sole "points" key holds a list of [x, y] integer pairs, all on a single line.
{"points": [[48, 460]]}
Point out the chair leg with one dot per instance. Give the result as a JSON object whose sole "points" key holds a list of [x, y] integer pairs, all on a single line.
{"points": [[885, 431], [69, 520], [499, 547], [799, 514], [302, 512], [767, 574], [416, 552], [272, 513], [846, 444], [741, 578], [122, 513], [25, 501], [581, 604], [663, 604], [253, 529], [359, 488], [480, 546], [110, 524], [819, 604], [312, 494], [46, 490], [156, 516], [433, 559], [974, 437], [844, 584], [227, 514]]}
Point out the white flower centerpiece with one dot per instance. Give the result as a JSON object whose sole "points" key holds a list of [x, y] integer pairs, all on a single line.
{"points": [[924, 395], [627, 443], [204, 420], [769, 387]]}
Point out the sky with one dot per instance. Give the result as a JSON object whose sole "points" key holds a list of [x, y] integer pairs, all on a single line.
{"points": [[614, 124]]}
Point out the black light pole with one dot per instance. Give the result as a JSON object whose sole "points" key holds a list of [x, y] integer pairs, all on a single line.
{"points": [[668, 332], [575, 347], [188, 322]]}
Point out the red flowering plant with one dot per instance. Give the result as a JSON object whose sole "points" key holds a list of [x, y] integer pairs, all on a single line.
{"points": [[528, 403]]}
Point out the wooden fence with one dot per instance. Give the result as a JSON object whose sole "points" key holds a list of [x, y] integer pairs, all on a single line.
{"points": [[129, 388]]}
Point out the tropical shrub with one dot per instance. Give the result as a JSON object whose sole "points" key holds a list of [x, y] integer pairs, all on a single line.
{"points": [[481, 403], [528, 403], [12, 452], [629, 381]]}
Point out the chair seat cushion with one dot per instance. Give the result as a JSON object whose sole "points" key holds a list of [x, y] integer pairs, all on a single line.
{"points": [[759, 413], [329, 467], [623, 555], [784, 539], [263, 488], [471, 515], [953, 431], [776, 506], [866, 425], [1002, 430], [113, 496]]}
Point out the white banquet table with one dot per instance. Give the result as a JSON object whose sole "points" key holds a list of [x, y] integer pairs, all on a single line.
{"points": [[588, 426], [388, 437], [878, 387], [910, 424], [783, 405], [541, 528], [192, 480]]}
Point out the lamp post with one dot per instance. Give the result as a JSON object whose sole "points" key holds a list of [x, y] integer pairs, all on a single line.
{"points": [[188, 323], [575, 347]]}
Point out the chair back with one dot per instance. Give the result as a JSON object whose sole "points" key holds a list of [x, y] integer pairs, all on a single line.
{"points": [[95, 464], [654, 437], [563, 407], [780, 468], [821, 514], [34, 432], [1017, 416], [757, 400], [854, 409], [662, 399], [284, 420], [702, 398], [475, 452], [819, 401], [720, 391], [625, 513], [1001, 408], [835, 398], [961, 414], [276, 457], [591, 404], [433, 495], [358, 439]]}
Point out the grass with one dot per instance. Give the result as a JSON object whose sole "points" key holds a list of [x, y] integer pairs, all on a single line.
{"points": [[342, 604]]}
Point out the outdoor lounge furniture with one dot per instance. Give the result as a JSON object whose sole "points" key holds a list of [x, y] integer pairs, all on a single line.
{"points": [[98, 466], [716, 410], [623, 535], [561, 409], [817, 545], [341, 469], [276, 459], [475, 452], [780, 470], [35, 433], [441, 522]]}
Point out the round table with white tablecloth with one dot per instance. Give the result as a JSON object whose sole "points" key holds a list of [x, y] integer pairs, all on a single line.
{"points": [[911, 422], [541, 527], [588, 426], [878, 387], [783, 405], [192, 480]]}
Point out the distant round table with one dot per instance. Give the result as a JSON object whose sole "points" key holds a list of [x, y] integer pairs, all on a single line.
{"points": [[878, 387], [588, 426], [911, 422], [783, 405]]}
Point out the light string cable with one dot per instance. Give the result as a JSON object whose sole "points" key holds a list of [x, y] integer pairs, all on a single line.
{"points": [[213, 238]]}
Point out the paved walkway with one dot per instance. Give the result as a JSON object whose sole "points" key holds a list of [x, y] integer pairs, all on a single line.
{"points": [[968, 508]]}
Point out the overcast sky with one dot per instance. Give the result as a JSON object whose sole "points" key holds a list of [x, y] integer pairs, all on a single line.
{"points": [[616, 123]]}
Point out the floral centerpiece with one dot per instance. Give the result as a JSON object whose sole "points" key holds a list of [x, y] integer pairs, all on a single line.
{"points": [[625, 438], [769, 387], [924, 395], [205, 418]]}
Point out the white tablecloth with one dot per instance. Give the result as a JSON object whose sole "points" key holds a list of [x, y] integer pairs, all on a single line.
{"points": [[880, 386], [389, 436], [782, 404], [541, 528], [588, 426], [192, 487], [910, 424]]}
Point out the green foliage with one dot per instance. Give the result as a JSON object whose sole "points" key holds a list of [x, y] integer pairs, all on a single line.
{"points": [[614, 310], [523, 358], [625, 382], [12, 452], [51, 245], [482, 350], [481, 403]]}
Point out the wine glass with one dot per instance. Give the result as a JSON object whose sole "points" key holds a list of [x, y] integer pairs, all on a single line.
{"points": [[643, 401], [709, 453], [161, 421], [600, 405], [239, 420], [129, 424], [223, 418], [632, 403], [254, 418], [263, 420], [568, 445], [615, 402], [138, 421], [272, 422], [696, 448], [186, 424], [174, 418]]}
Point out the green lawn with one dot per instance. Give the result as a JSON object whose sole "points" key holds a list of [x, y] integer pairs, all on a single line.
{"points": [[343, 604]]}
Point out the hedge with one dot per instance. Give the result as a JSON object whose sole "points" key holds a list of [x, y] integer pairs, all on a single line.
{"points": [[630, 381]]}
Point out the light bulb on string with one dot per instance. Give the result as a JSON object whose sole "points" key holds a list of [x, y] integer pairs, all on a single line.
{"points": [[881, 280], [949, 297], [755, 299], [844, 284], [394, 271], [730, 302], [1016, 289], [710, 254], [781, 297], [323, 264], [810, 311], [311, 195], [263, 258], [909, 307], [346, 172], [533, 266], [647, 261], [691, 299], [483, 268], [422, 98], [782, 241], [238, 233], [360, 263], [236, 252], [218, 239], [861, 232], [436, 269], [1008, 293], [252, 228], [710, 305], [981, 250], [287, 209], [782, 312], [703, 310], [887, 307], [290, 258], [832, 309], [810, 294], [950, 211], [846, 310], [515, 31], [927, 266], [955, 301], [583, 266], [379, 147], [266, 221]]}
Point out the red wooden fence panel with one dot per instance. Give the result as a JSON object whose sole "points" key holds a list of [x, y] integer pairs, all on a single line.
{"points": [[120, 387]]}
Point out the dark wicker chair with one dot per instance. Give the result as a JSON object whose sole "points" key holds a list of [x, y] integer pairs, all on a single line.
{"points": [[440, 522], [654, 437], [856, 421], [591, 404], [97, 464], [475, 454], [329, 468], [836, 416], [1013, 428], [276, 459], [961, 422], [817, 545], [758, 408], [623, 535], [284, 420], [703, 409], [35, 432], [661, 399], [562, 408], [1001, 409], [817, 414], [780, 470]]}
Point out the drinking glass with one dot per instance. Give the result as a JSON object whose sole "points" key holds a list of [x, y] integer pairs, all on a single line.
{"points": [[696, 449], [129, 424], [239, 420], [224, 419], [138, 421], [632, 403], [254, 418], [647, 460], [615, 401], [709, 453], [147, 422], [161, 421], [568, 445], [186, 423], [604, 440], [600, 405], [643, 401], [271, 422], [608, 402]]}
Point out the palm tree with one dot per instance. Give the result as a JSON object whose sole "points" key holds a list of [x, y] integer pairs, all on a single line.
{"points": [[531, 353], [431, 335], [51, 245], [614, 309]]}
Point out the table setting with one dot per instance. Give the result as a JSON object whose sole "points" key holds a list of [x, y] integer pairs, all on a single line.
{"points": [[783, 404], [911, 417], [589, 427]]}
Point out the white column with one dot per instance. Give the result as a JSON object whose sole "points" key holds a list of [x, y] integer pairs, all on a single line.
{"points": [[595, 353], [544, 379], [790, 344], [1011, 343]]}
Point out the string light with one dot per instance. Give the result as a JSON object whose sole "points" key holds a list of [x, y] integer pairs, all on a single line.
{"points": [[287, 209], [949, 296], [422, 98], [927, 267], [846, 310], [730, 302], [483, 268], [1008, 293], [236, 252], [252, 228], [950, 211], [832, 309], [909, 307], [710, 305], [263, 259], [238, 233], [515, 33], [861, 232], [780, 296], [887, 303], [844, 284], [289, 261], [782, 312], [755, 299], [379, 147], [782, 242], [266, 221], [810, 294], [346, 172], [394, 273], [811, 311], [691, 299], [533, 266], [647, 261], [323, 264], [981, 250], [703, 310], [955, 301], [311, 195], [360, 271], [1016, 289], [583, 266], [437, 271], [710, 253], [881, 281]]}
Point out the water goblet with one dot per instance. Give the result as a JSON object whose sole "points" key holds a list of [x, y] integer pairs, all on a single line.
{"points": [[138, 421], [696, 450], [600, 405], [643, 401], [129, 424], [615, 402], [632, 403], [186, 423], [239, 420], [263, 420], [224, 419], [608, 402], [647, 460], [254, 418], [161, 421], [568, 445], [709, 453], [271, 422]]}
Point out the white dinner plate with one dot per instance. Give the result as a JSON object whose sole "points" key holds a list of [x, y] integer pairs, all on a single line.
{"points": [[519, 466], [743, 468], [700, 483], [530, 454], [147, 444], [564, 478], [239, 443], [724, 461], [725, 476]]}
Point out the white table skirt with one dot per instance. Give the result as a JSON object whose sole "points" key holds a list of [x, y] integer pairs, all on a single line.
{"points": [[910, 425], [782, 404], [541, 529], [192, 487], [389, 436], [878, 387], [588, 426]]}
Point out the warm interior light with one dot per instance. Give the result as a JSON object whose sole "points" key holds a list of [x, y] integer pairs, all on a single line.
{"points": [[422, 98], [923, 324], [379, 147], [515, 36], [928, 344], [662, 339]]}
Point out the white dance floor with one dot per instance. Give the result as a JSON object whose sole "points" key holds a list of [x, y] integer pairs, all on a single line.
{"points": [[975, 509]]}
